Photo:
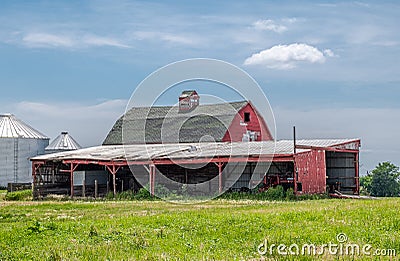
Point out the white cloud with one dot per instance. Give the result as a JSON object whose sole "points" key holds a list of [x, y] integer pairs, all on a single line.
{"points": [[166, 37], [287, 56], [47, 40], [103, 41], [291, 20], [329, 53], [269, 25], [362, 4]]}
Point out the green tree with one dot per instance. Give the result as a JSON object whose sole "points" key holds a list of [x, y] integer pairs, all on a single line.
{"points": [[385, 181], [365, 183]]}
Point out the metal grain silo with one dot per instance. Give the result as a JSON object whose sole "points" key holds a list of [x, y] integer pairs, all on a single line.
{"points": [[18, 143], [63, 142]]}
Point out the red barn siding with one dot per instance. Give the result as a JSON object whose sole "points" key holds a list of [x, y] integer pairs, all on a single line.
{"points": [[311, 169], [237, 128]]}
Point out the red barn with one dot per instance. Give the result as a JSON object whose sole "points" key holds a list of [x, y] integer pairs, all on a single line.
{"points": [[228, 143]]}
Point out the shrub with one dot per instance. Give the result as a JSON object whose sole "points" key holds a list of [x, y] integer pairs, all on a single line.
{"points": [[125, 195], [109, 196], [19, 195], [290, 194], [161, 190], [143, 193], [277, 193]]}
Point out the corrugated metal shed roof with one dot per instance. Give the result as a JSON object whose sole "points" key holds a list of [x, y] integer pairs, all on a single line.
{"points": [[64, 141], [11, 127], [159, 123], [143, 152]]}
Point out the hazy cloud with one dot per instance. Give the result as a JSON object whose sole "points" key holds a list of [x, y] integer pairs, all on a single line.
{"points": [[269, 25], [291, 20], [48, 40], [288, 56], [329, 53], [166, 37], [103, 41], [88, 123]]}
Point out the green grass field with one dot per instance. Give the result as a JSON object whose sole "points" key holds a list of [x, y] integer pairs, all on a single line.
{"points": [[216, 230]]}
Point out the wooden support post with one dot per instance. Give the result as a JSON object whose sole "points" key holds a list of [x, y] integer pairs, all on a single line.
{"points": [[33, 178], [114, 185], [186, 176], [95, 188], [113, 169], [83, 187], [72, 179], [220, 185], [35, 168], [150, 179], [122, 185], [154, 179], [53, 177], [71, 171], [152, 175]]}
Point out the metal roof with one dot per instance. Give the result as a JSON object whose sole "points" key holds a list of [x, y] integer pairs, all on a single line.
{"points": [[64, 141], [187, 93], [145, 152], [160, 123], [11, 127]]}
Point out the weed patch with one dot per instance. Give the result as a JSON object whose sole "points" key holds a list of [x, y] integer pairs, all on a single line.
{"points": [[21, 195]]}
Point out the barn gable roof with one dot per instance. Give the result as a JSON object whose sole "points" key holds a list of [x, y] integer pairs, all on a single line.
{"points": [[162, 122]]}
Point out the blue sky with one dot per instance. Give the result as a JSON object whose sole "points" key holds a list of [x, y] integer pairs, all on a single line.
{"points": [[330, 68]]}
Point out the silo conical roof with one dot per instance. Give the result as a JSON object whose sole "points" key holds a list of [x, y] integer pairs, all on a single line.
{"points": [[11, 127], [64, 141]]}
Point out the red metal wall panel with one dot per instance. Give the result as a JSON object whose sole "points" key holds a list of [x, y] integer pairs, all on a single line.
{"points": [[311, 169], [238, 127]]}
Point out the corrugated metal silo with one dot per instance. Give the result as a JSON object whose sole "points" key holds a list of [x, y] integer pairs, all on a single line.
{"points": [[18, 143], [63, 142]]}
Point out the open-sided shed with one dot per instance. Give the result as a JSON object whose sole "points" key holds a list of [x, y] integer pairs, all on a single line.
{"points": [[310, 166]]}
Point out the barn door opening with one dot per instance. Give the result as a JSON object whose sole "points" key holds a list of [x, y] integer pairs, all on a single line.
{"points": [[341, 172]]}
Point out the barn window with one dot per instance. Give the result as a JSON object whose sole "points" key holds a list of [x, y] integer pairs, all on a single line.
{"points": [[246, 116]]}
